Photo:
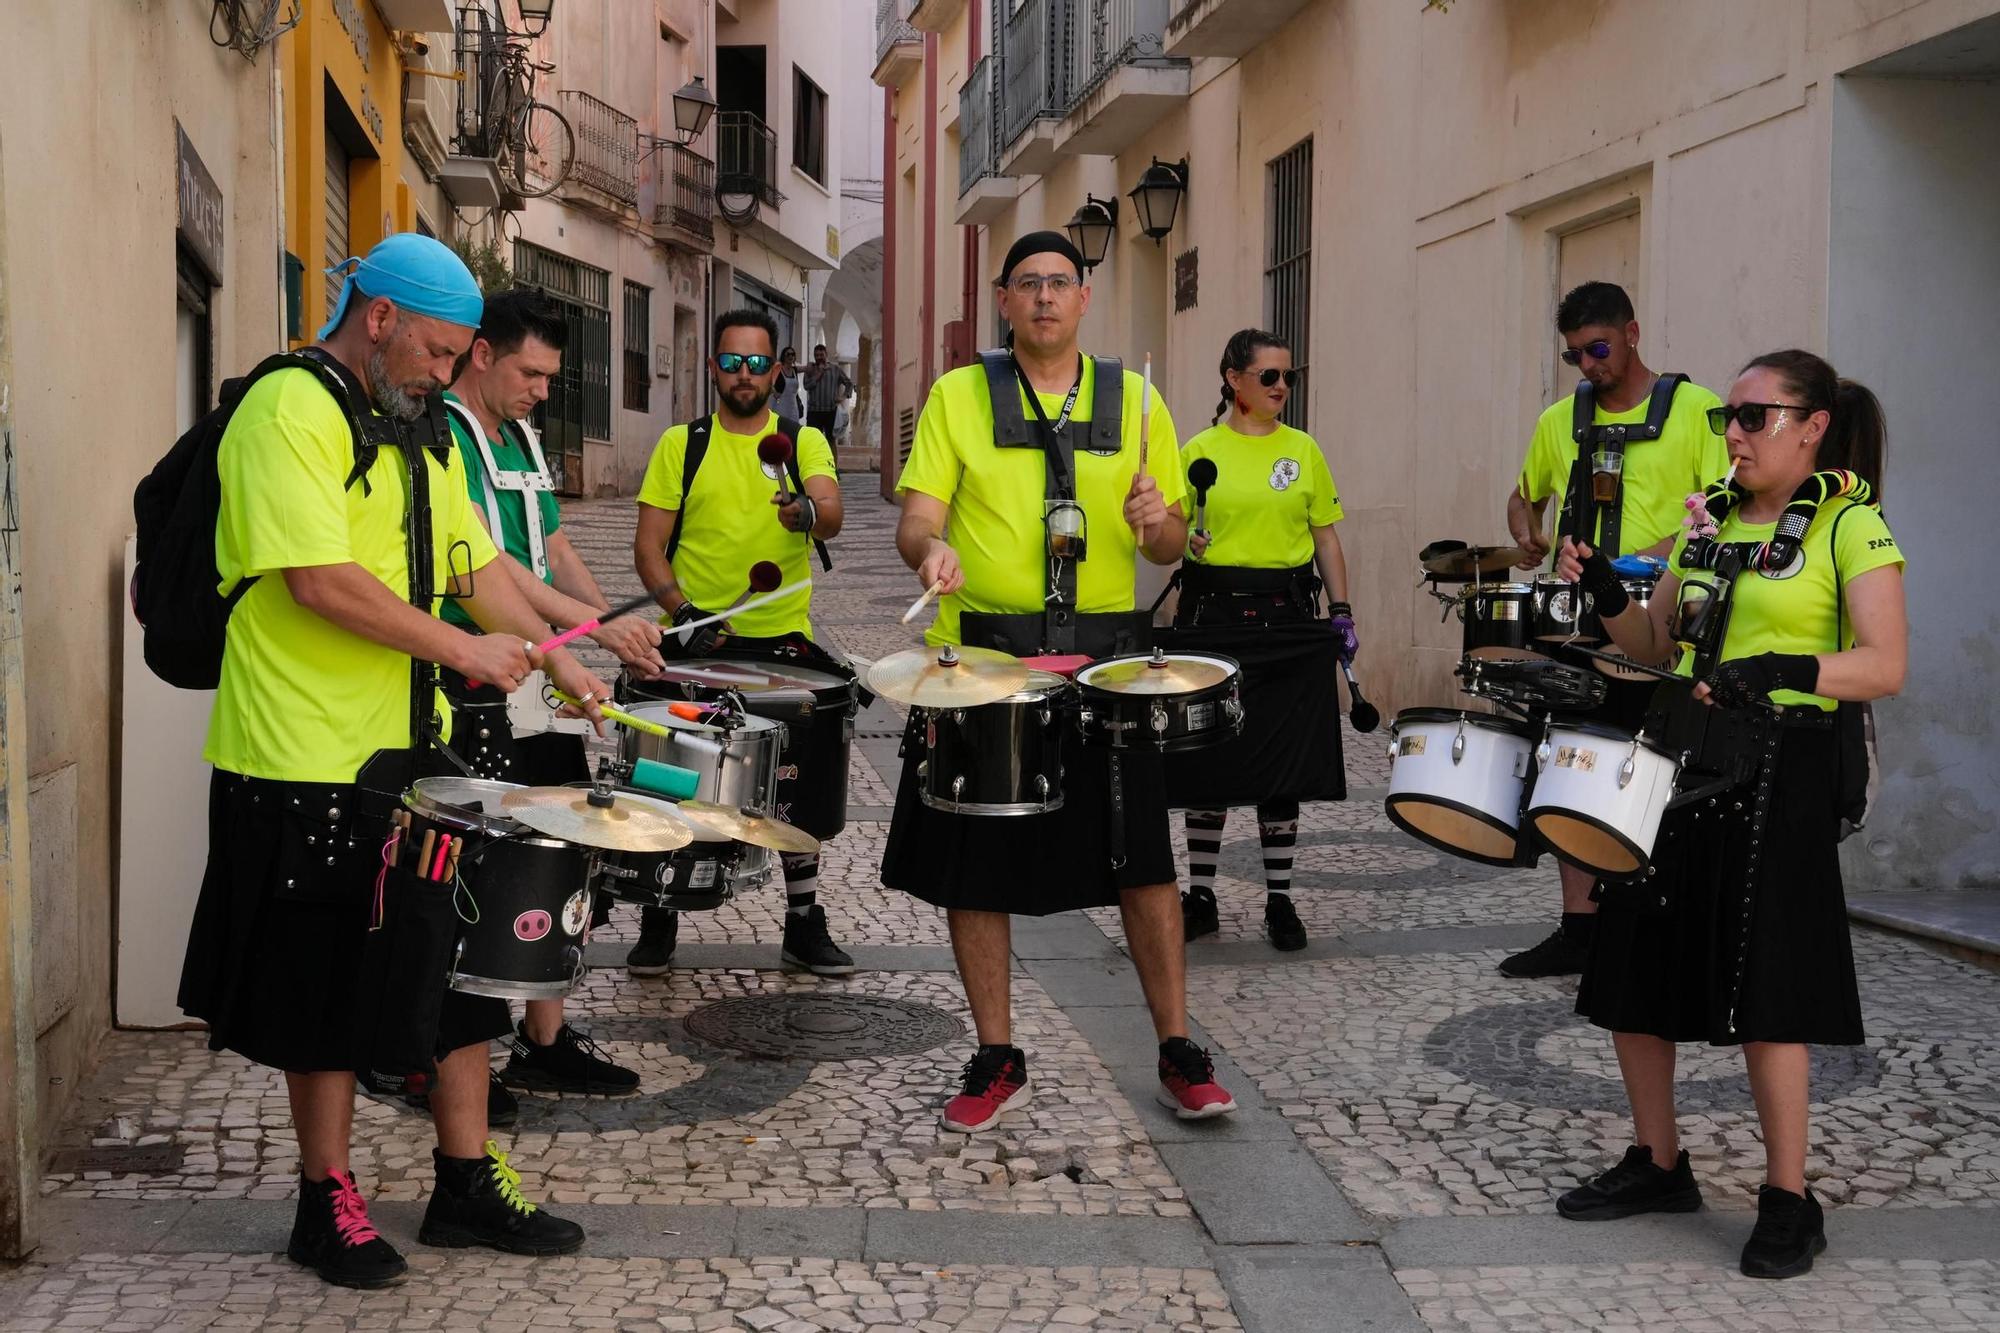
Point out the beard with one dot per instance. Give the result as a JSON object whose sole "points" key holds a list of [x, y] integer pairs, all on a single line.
{"points": [[747, 401], [405, 402]]}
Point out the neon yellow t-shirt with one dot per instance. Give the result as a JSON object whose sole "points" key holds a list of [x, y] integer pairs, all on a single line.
{"points": [[301, 699], [731, 523], [1796, 611], [1659, 474], [996, 498], [1270, 492]]}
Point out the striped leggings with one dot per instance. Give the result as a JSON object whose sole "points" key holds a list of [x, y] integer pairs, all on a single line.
{"points": [[1277, 830]]}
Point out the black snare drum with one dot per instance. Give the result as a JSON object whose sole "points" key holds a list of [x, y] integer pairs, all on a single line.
{"points": [[1002, 758], [1497, 617], [696, 878], [1560, 613], [1124, 706]]}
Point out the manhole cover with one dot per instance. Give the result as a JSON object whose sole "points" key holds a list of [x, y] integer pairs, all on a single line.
{"points": [[823, 1027]]}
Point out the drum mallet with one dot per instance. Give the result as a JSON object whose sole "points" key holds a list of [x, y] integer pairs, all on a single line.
{"points": [[1201, 476], [1364, 715]]}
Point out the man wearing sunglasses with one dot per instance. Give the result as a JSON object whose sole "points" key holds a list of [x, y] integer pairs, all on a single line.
{"points": [[1657, 428], [707, 513]]}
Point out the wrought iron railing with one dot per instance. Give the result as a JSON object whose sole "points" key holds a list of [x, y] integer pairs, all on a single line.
{"points": [[892, 25], [479, 128], [1032, 56], [1104, 34], [746, 157], [687, 193], [978, 142], [607, 146]]}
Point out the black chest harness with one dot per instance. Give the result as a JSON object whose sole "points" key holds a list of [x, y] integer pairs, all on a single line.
{"points": [[1600, 521]]}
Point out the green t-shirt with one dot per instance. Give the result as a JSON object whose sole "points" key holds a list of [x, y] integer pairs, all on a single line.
{"points": [[1796, 611], [1270, 492], [510, 454], [996, 498], [301, 699], [1659, 474], [731, 523]]}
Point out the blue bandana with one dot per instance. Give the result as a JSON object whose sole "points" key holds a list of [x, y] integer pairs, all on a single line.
{"points": [[419, 274]]}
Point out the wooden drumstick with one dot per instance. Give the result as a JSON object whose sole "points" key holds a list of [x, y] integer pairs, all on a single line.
{"points": [[917, 606], [1146, 414]]}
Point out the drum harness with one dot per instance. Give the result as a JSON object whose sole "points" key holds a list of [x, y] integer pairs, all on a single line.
{"points": [[1583, 514]]}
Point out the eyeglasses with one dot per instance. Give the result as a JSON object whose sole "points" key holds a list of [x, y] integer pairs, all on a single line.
{"points": [[1748, 415], [1270, 377], [1597, 351], [731, 362], [1055, 284]]}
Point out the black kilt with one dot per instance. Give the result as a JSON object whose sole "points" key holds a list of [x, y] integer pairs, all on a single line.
{"points": [[1678, 953], [1290, 748], [274, 950]]}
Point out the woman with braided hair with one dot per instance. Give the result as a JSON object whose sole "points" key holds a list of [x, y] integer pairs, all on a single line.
{"points": [[1738, 934], [1265, 506]]}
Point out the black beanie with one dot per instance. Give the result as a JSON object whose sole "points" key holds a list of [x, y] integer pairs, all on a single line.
{"points": [[1040, 243]]}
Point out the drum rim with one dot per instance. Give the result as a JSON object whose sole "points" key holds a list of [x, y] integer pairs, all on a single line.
{"points": [[1235, 669], [1490, 820], [1644, 859], [1480, 589], [799, 688], [680, 724], [1605, 731], [1489, 721], [990, 809], [498, 824]]}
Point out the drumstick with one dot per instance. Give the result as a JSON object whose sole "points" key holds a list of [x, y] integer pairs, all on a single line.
{"points": [[624, 607], [625, 719], [1653, 671], [1146, 414], [923, 601]]}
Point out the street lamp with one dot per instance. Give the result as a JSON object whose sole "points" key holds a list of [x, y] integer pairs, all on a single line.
{"points": [[1090, 228], [693, 105], [535, 16], [1157, 196]]}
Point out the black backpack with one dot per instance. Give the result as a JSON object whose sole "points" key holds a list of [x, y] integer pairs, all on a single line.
{"points": [[174, 585]]}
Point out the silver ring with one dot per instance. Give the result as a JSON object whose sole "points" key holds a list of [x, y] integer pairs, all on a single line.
{"points": [[588, 697]]}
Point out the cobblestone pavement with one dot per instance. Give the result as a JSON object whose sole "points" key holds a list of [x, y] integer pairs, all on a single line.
{"points": [[1407, 1117]]}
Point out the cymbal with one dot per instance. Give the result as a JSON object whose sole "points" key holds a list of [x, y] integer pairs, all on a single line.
{"points": [[947, 677], [622, 826], [1475, 559], [746, 825], [1159, 674]]}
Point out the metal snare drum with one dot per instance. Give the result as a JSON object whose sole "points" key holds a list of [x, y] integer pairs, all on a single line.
{"points": [[738, 766], [696, 878], [1560, 612], [1002, 758], [1166, 721], [1496, 618]]}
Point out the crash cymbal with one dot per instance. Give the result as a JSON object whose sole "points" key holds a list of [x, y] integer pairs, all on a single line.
{"points": [[947, 677], [1475, 559], [622, 826], [1162, 673], [746, 825]]}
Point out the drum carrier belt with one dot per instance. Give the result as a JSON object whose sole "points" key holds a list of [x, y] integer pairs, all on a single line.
{"points": [[1584, 517]]}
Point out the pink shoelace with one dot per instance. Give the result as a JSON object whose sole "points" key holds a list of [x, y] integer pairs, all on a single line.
{"points": [[350, 1212]]}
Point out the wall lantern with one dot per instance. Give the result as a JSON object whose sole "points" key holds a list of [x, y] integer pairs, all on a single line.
{"points": [[535, 16], [1157, 196], [1090, 229], [693, 105]]}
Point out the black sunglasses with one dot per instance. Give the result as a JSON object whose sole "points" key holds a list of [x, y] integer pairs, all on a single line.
{"points": [[731, 362], [1270, 377], [1749, 415], [1598, 350]]}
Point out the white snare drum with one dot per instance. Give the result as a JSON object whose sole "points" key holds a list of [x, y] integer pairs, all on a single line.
{"points": [[1456, 780], [1599, 796]]}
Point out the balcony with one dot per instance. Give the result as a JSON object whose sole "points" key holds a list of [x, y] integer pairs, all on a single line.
{"points": [[983, 194], [1226, 27], [1120, 83], [1032, 78], [934, 15], [607, 153], [746, 158], [416, 15], [685, 215], [474, 134], [899, 48]]}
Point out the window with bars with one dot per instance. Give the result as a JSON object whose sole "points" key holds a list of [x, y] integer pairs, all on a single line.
{"points": [[808, 126], [638, 339], [579, 401], [1288, 264]]}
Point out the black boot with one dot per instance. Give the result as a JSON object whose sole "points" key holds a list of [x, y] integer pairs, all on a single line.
{"points": [[1198, 914], [810, 945], [332, 1236], [658, 927], [478, 1201], [1562, 954], [1282, 924], [1632, 1187], [1790, 1230]]}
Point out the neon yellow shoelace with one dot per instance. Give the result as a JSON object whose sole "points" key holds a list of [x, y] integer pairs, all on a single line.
{"points": [[507, 1180]]}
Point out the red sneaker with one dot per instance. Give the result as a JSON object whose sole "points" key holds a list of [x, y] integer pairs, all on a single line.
{"points": [[996, 1080], [1187, 1082]]}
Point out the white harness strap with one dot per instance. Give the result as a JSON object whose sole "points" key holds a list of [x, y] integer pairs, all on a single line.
{"points": [[526, 483]]}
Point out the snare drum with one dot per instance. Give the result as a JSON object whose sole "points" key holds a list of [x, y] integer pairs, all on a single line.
{"points": [[1599, 796], [1639, 587], [523, 900], [1002, 758], [1168, 720], [1560, 613], [1456, 781], [738, 766], [695, 878], [1497, 617]]}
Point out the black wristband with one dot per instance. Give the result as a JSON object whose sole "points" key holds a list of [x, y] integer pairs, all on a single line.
{"points": [[1339, 609], [1607, 595]]}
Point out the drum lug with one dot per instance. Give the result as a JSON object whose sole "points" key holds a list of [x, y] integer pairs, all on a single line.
{"points": [[957, 786], [1232, 708], [1046, 717], [923, 769], [457, 952], [958, 717], [1542, 755], [1626, 769], [577, 968], [1160, 719], [1042, 785], [1458, 745]]}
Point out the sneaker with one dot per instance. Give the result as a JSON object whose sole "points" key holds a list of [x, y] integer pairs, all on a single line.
{"points": [[502, 1109], [1560, 955], [657, 928], [480, 1203], [1790, 1230], [1282, 924], [1632, 1187], [996, 1080], [808, 945], [332, 1236], [570, 1063], [1187, 1082], [1198, 915]]}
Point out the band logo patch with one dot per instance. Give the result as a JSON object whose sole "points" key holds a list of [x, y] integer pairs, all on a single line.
{"points": [[576, 913], [1570, 756], [1411, 745], [532, 925], [770, 470], [788, 772], [1283, 473]]}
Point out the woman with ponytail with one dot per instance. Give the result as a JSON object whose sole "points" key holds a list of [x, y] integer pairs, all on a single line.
{"points": [[1793, 617], [1265, 506]]}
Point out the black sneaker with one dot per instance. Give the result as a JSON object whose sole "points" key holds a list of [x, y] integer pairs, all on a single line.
{"points": [[1198, 915], [480, 1203], [502, 1109], [657, 928], [1790, 1230], [1282, 924], [1632, 1187], [332, 1236], [570, 1063], [1560, 955], [808, 945]]}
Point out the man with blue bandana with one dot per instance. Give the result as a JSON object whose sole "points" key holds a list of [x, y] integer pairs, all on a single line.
{"points": [[323, 704]]}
